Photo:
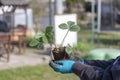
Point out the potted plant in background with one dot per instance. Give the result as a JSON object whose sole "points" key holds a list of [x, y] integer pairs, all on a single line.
{"points": [[57, 52]]}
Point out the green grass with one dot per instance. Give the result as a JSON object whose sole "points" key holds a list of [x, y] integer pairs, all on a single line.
{"points": [[39, 72]]}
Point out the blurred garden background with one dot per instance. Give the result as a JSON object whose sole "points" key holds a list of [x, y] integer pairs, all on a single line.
{"points": [[21, 20]]}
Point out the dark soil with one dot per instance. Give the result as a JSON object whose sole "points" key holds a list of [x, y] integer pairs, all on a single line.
{"points": [[60, 53]]}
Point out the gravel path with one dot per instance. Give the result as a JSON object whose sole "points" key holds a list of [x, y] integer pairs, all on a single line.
{"points": [[27, 59]]}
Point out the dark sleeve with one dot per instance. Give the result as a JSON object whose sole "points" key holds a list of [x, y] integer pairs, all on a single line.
{"points": [[86, 72], [99, 63]]}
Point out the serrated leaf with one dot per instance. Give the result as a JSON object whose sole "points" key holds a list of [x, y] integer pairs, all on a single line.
{"points": [[40, 45], [33, 43], [75, 28], [68, 49], [45, 40], [48, 29], [49, 34], [39, 35], [51, 38], [63, 26], [70, 23]]}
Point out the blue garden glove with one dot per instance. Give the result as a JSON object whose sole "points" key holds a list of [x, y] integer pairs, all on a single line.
{"points": [[62, 66]]}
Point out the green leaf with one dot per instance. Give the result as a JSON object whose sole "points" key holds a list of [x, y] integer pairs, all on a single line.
{"points": [[70, 23], [48, 29], [50, 37], [49, 34], [45, 40], [39, 35], [68, 49], [75, 28], [40, 45], [63, 26], [33, 42]]}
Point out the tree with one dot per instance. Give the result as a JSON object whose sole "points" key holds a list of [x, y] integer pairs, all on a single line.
{"points": [[72, 3], [39, 9], [76, 6]]}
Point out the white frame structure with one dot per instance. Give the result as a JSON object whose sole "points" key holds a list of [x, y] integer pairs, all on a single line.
{"points": [[99, 16]]}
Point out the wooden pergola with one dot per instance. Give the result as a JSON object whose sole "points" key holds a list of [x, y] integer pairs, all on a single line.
{"points": [[12, 5]]}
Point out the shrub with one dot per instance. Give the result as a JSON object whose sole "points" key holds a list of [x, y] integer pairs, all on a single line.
{"points": [[83, 47]]}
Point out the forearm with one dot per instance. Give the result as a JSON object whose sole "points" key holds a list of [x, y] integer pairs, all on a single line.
{"points": [[99, 63], [86, 72]]}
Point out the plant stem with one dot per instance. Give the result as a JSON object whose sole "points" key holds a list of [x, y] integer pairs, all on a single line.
{"points": [[64, 38]]}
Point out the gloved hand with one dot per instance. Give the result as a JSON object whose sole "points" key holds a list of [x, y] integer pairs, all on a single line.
{"points": [[75, 58], [62, 66]]}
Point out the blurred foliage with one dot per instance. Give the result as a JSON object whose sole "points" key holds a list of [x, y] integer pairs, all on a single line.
{"points": [[76, 6], [83, 47], [41, 38], [72, 3], [87, 6], [105, 40]]}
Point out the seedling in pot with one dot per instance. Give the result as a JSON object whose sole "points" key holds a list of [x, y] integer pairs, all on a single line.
{"points": [[59, 52]]}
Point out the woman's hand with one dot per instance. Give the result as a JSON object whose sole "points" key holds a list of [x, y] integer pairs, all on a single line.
{"points": [[62, 66]]}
